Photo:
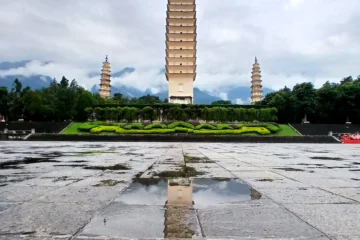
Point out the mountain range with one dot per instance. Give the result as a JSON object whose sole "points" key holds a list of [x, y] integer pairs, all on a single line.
{"points": [[238, 95]]}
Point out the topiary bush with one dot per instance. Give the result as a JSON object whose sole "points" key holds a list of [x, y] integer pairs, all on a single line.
{"points": [[86, 127], [224, 126], [183, 130], [155, 125], [180, 124], [151, 131], [271, 127], [132, 126], [205, 126], [103, 129], [243, 130]]}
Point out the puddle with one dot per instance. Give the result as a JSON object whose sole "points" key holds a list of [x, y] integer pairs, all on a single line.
{"points": [[107, 183], [265, 180], [291, 169], [91, 152], [327, 158], [26, 160], [14, 178], [309, 164], [104, 168], [201, 191]]}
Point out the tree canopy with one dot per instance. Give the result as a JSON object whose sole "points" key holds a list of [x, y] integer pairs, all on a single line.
{"points": [[60, 101], [332, 103]]}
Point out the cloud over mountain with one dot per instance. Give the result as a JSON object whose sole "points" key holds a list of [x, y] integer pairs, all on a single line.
{"points": [[295, 40]]}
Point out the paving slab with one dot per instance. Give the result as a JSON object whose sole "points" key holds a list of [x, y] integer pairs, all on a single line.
{"points": [[14, 193], [300, 191], [333, 219], [254, 222], [127, 221], [45, 218]]}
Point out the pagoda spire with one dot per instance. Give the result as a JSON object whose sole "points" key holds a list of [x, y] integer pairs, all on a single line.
{"points": [[256, 87], [105, 87], [181, 45]]}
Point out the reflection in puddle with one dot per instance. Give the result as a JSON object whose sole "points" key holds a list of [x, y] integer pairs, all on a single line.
{"points": [[203, 191], [161, 208]]}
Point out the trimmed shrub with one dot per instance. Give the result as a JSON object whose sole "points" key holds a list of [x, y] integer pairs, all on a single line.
{"points": [[243, 130], [205, 126], [224, 126], [102, 129], [155, 125], [86, 127], [132, 126], [180, 124], [182, 130], [151, 131], [271, 127]]}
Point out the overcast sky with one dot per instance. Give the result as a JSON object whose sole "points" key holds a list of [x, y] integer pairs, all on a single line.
{"points": [[294, 40]]}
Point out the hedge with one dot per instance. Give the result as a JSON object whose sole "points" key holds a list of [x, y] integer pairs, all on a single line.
{"points": [[151, 131], [134, 126], [155, 125], [224, 126], [258, 130], [205, 126], [181, 124], [230, 114]]}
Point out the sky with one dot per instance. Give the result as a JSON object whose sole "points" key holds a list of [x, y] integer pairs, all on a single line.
{"points": [[294, 40]]}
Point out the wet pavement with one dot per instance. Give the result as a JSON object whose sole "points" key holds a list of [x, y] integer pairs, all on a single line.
{"points": [[52, 190]]}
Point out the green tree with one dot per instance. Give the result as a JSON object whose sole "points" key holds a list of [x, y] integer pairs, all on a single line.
{"points": [[148, 113], [305, 99]]}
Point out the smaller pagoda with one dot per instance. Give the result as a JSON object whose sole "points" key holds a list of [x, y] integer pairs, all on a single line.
{"points": [[256, 87], [105, 87]]}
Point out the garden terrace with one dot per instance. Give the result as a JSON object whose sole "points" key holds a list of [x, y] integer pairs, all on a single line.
{"points": [[324, 129], [40, 127], [180, 128]]}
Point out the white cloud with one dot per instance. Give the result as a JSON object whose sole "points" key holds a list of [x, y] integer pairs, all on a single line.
{"points": [[295, 40]]}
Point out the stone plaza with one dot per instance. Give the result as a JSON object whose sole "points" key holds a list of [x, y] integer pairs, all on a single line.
{"points": [[95, 190]]}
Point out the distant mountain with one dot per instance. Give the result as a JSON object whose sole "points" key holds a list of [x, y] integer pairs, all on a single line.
{"points": [[239, 95], [13, 65], [243, 93], [34, 82], [200, 97]]}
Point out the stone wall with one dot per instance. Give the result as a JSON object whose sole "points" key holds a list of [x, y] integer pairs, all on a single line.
{"points": [[40, 127], [181, 138], [324, 129]]}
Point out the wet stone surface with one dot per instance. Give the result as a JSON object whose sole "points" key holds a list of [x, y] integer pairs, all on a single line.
{"points": [[178, 190]]}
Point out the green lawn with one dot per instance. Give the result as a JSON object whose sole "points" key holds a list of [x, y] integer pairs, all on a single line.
{"points": [[72, 129], [286, 131]]}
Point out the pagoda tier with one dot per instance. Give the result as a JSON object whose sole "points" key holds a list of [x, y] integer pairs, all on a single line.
{"points": [[180, 51], [105, 86], [256, 83]]}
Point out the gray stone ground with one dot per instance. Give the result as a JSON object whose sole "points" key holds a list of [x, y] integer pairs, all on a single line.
{"points": [[308, 191]]}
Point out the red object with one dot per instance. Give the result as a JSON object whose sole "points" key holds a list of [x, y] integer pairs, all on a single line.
{"points": [[351, 139]]}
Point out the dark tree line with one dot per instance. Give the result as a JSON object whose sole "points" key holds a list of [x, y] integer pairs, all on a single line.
{"points": [[60, 101], [66, 100], [332, 103]]}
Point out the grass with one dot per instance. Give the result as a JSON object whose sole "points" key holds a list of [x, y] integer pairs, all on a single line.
{"points": [[286, 131], [72, 129]]}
